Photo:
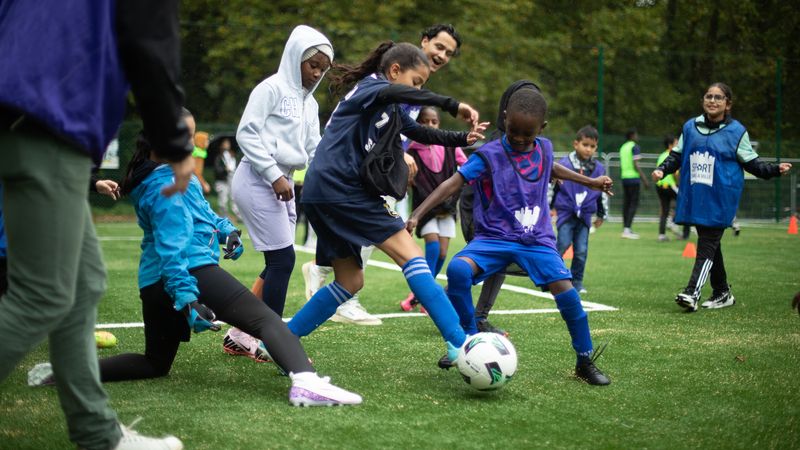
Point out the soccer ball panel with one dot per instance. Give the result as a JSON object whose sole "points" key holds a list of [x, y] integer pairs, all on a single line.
{"points": [[487, 361]]}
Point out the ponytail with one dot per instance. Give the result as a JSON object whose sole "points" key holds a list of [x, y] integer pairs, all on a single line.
{"points": [[344, 76], [140, 156]]}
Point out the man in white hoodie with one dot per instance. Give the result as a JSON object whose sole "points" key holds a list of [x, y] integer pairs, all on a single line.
{"points": [[278, 134]]}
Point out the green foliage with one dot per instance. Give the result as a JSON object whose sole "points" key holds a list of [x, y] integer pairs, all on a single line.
{"points": [[659, 56]]}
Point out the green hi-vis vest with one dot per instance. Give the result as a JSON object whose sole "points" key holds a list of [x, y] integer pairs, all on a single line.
{"points": [[669, 180], [199, 153], [628, 170]]}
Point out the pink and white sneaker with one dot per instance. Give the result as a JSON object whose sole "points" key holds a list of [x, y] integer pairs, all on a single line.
{"points": [[309, 389], [239, 343]]}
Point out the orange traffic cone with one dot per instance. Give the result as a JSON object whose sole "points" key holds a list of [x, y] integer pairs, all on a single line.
{"points": [[793, 225], [690, 251], [568, 254]]}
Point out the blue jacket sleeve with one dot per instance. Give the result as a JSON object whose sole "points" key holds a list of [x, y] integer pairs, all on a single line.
{"points": [[172, 233]]}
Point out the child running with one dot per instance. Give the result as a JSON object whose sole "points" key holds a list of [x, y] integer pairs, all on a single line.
{"points": [[278, 134], [667, 191], [512, 222], [345, 212], [576, 206], [435, 165], [711, 152], [182, 287]]}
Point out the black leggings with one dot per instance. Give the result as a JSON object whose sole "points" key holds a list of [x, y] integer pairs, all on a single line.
{"points": [[165, 328], [709, 264], [630, 202]]}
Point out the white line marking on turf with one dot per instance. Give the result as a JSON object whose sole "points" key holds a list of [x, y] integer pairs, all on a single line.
{"points": [[590, 306], [509, 287]]}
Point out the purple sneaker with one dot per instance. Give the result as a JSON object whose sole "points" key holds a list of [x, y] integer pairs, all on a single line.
{"points": [[308, 389]]}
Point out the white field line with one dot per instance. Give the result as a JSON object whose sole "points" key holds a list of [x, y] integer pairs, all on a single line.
{"points": [[590, 306]]}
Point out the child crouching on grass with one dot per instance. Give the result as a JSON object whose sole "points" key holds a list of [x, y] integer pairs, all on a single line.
{"points": [[511, 176]]}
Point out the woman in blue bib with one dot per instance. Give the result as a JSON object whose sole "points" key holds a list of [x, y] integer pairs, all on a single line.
{"points": [[711, 153]]}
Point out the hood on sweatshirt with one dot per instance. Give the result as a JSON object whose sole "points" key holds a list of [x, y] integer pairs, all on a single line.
{"points": [[302, 38]]}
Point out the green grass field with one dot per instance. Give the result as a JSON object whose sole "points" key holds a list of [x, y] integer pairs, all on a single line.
{"points": [[714, 379]]}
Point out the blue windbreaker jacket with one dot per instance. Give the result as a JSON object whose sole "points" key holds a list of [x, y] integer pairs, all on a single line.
{"points": [[181, 232]]}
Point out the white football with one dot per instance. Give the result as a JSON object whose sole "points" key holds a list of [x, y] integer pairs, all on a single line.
{"points": [[487, 361]]}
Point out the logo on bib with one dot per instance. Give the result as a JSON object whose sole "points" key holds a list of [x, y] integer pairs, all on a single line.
{"points": [[527, 217], [702, 168], [579, 198]]}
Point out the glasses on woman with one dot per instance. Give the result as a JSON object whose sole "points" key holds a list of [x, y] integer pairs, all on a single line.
{"points": [[714, 97]]}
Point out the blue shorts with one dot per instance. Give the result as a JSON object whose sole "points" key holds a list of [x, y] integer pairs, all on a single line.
{"points": [[543, 264], [343, 228]]}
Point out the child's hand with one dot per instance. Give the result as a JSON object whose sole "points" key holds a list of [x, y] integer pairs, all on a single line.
{"points": [[603, 183], [412, 166], [477, 132], [784, 167], [598, 222], [109, 188], [411, 223], [657, 175], [283, 189], [468, 114]]}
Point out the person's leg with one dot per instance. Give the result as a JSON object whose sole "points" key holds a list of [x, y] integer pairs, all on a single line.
{"points": [[164, 329], [627, 205], [405, 253], [489, 292], [352, 311], [432, 249], [349, 279], [279, 266], [664, 200], [234, 304], [56, 277], [708, 242], [565, 236], [444, 245], [635, 190], [580, 253], [459, 290]]}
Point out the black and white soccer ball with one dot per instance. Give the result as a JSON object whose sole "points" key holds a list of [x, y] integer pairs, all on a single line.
{"points": [[487, 361]]}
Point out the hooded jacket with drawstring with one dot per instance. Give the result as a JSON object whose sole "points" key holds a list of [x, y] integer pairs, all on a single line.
{"points": [[279, 130]]}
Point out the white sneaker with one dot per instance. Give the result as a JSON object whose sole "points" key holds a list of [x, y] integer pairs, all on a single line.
{"points": [[132, 440], [41, 375], [351, 311], [628, 234], [314, 277], [308, 389], [239, 343]]}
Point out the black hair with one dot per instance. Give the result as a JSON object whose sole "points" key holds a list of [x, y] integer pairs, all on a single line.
{"points": [[630, 133], [141, 156], [433, 31], [427, 108], [501, 113], [529, 102], [724, 88], [669, 138], [407, 55], [587, 132]]}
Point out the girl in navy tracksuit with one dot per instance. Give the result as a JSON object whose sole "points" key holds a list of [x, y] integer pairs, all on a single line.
{"points": [[711, 153], [344, 213]]}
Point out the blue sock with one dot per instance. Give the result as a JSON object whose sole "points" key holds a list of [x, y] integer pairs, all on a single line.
{"points": [[318, 309], [439, 265], [459, 290], [432, 254], [431, 295], [569, 304]]}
